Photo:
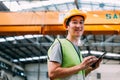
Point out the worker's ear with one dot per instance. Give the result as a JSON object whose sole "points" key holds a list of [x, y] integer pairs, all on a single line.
{"points": [[67, 27]]}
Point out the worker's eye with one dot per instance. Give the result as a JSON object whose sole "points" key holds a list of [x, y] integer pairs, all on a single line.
{"points": [[74, 22], [81, 22]]}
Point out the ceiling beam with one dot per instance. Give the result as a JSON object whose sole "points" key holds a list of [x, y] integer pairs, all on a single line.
{"points": [[76, 3], [102, 44], [48, 44]]}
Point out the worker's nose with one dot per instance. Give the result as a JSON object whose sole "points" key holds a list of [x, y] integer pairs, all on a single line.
{"points": [[78, 25]]}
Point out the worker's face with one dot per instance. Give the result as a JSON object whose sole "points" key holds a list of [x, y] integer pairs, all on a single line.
{"points": [[76, 26]]}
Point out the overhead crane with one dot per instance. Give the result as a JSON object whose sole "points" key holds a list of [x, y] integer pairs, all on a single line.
{"points": [[50, 23]]}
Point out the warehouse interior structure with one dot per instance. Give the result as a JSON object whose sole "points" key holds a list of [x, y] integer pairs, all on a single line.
{"points": [[29, 27]]}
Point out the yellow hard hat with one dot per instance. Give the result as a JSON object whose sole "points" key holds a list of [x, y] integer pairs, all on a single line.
{"points": [[73, 12]]}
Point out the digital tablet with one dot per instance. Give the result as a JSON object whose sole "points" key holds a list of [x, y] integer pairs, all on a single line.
{"points": [[100, 57]]}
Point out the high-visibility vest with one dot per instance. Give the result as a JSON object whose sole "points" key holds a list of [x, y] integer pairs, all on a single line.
{"points": [[70, 56]]}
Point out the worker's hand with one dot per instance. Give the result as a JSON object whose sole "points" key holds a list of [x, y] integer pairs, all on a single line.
{"points": [[88, 61], [96, 64]]}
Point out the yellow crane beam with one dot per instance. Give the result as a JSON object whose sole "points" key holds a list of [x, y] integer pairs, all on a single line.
{"points": [[50, 23], [19, 30]]}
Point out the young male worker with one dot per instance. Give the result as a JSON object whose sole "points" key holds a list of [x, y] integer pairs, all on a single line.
{"points": [[65, 61]]}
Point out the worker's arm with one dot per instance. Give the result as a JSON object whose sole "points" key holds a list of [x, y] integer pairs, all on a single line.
{"points": [[56, 71]]}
